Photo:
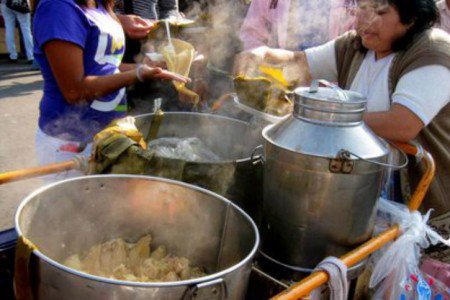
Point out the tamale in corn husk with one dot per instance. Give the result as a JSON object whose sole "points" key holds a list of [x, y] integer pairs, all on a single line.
{"points": [[179, 60], [133, 262], [267, 93]]}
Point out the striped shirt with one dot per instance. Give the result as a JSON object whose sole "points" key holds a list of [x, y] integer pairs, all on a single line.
{"points": [[147, 9]]}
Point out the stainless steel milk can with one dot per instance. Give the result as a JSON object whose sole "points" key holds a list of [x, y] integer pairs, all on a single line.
{"points": [[322, 177]]}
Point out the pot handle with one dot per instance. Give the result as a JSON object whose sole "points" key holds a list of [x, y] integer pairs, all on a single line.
{"points": [[219, 287], [256, 157], [345, 154], [314, 88]]}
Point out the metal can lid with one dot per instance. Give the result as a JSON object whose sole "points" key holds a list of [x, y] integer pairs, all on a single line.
{"points": [[329, 104]]}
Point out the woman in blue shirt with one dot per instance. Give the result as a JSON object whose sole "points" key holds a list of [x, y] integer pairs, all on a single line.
{"points": [[79, 46]]}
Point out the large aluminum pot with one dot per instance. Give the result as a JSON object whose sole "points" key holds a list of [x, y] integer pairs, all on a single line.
{"points": [[322, 178], [238, 176], [70, 216]]}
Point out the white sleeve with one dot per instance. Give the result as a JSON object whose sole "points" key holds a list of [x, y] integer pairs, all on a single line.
{"points": [[322, 61], [425, 91]]}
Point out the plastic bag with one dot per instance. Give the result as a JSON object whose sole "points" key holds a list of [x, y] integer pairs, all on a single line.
{"points": [[188, 149], [396, 274]]}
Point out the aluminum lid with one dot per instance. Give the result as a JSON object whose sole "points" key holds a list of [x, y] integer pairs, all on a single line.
{"points": [[328, 104]]}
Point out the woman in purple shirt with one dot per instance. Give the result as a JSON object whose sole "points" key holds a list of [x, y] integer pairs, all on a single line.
{"points": [[79, 45]]}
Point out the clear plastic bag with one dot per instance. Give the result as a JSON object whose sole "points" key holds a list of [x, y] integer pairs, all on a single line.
{"points": [[396, 274], [188, 149]]}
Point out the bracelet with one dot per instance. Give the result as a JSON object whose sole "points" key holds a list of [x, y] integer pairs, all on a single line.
{"points": [[138, 72]]}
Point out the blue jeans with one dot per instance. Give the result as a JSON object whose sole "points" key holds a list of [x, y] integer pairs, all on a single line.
{"points": [[10, 17]]}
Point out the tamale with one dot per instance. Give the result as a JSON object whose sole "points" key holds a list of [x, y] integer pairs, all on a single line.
{"points": [[159, 253], [119, 149], [276, 76], [179, 56], [116, 153], [74, 262], [138, 253], [113, 254], [91, 261], [123, 273], [267, 93], [171, 276], [133, 262], [253, 92]]}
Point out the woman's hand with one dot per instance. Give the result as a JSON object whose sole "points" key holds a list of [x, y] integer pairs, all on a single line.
{"points": [[249, 61], [246, 62], [144, 72], [136, 27]]}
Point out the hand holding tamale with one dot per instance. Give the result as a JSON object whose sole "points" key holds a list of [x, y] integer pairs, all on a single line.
{"points": [[267, 92]]}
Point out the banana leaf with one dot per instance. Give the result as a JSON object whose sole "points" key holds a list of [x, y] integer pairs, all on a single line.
{"points": [[263, 94], [117, 151]]}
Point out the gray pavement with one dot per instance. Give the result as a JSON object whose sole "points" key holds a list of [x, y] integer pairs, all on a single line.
{"points": [[20, 92]]}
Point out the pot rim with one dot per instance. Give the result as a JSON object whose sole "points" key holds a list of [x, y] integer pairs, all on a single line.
{"points": [[84, 275], [202, 115]]}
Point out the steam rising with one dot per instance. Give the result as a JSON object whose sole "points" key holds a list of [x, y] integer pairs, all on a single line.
{"points": [[226, 20], [368, 13], [58, 128], [219, 40], [310, 23]]}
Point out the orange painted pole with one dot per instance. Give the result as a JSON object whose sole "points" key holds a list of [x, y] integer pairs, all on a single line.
{"points": [[424, 183], [316, 279], [408, 148], [37, 171]]}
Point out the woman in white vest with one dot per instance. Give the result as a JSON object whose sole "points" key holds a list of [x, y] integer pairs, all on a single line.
{"points": [[401, 64]]}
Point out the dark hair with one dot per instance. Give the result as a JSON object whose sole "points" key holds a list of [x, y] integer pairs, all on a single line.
{"points": [[423, 14]]}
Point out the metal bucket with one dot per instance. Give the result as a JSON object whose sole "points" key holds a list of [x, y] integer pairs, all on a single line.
{"points": [[322, 178], [238, 177], [70, 216]]}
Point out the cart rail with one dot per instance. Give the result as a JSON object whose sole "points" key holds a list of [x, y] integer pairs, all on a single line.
{"points": [[37, 171]]}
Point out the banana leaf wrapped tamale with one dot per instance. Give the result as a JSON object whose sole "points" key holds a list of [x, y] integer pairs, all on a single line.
{"points": [[267, 93], [253, 92], [120, 149], [278, 103]]}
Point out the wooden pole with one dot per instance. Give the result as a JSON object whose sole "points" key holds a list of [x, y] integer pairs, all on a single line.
{"points": [[37, 171], [316, 279]]}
